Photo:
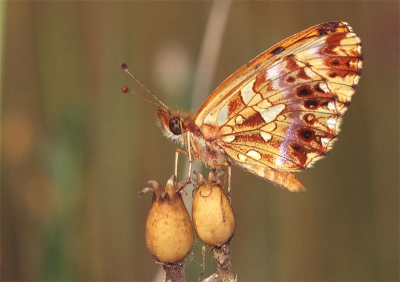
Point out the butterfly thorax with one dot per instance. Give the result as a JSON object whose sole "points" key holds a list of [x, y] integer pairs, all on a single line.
{"points": [[180, 127]]}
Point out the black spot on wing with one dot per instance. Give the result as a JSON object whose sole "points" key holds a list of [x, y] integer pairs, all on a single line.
{"points": [[277, 50]]}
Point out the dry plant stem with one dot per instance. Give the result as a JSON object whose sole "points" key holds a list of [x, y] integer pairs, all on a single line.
{"points": [[222, 257], [204, 251], [175, 272], [212, 278]]}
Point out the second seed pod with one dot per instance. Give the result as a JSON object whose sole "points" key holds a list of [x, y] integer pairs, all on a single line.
{"points": [[213, 216]]}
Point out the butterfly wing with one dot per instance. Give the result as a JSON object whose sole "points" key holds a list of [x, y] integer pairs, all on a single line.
{"points": [[283, 109]]}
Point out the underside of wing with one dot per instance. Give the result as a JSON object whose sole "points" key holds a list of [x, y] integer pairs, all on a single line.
{"points": [[284, 108], [234, 82]]}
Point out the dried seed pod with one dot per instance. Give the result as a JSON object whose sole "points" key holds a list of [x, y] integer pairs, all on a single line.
{"points": [[169, 231], [213, 216]]}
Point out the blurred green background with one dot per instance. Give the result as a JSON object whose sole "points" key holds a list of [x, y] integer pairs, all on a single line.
{"points": [[75, 150]]}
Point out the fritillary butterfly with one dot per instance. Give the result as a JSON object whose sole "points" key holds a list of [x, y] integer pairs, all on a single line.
{"points": [[279, 113]]}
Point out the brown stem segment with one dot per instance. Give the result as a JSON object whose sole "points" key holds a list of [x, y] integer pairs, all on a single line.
{"points": [[222, 256], [174, 272]]}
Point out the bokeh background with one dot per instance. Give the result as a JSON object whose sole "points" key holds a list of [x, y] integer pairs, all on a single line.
{"points": [[75, 150]]}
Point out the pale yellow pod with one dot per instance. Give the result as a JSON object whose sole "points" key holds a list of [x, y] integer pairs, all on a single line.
{"points": [[213, 216], [169, 230]]}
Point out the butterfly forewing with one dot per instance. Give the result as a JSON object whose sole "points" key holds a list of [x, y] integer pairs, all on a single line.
{"points": [[241, 76]]}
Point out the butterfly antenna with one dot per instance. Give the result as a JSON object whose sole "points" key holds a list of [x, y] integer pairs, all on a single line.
{"points": [[126, 89]]}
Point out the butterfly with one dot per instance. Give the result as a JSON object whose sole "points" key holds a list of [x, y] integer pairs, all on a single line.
{"points": [[277, 114]]}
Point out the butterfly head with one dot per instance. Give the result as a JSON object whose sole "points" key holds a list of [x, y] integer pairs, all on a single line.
{"points": [[171, 124]]}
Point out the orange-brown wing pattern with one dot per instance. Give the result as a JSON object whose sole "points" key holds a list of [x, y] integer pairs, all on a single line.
{"points": [[235, 81], [282, 110]]}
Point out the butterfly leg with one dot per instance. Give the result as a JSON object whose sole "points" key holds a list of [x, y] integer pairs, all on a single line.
{"points": [[176, 160], [189, 154], [227, 177]]}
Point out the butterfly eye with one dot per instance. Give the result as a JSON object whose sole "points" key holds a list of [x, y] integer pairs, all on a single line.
{"points": [[175, 125]]}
